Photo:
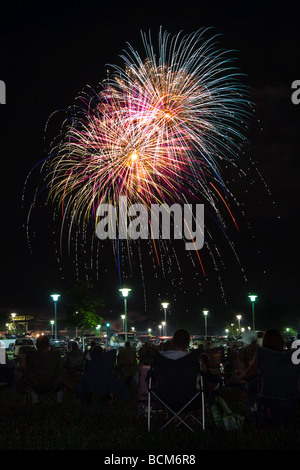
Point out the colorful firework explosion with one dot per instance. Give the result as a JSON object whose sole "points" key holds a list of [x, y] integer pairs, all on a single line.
{"points": [[159, 130]]}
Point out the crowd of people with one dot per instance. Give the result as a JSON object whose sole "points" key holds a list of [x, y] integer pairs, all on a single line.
{"points": [[108, 373]]}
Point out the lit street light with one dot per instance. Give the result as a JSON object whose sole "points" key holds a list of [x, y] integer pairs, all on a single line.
{"points": [[239, 321], [55, 298], [107, 336], [123, 318], [252, 299], [165, 306], [205, 313], [163, 326], [52, 323], [98, 327], [125, 293], [13, 321]]}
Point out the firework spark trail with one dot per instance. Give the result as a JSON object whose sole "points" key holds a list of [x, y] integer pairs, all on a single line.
{"points": [[158, 131]]}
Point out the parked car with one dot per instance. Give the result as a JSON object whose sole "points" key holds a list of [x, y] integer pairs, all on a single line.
{"points": [[147, 339], [22, 343], [162, 339], [59, 345], [97, 341], [250, 336], [118, 341], [197, 341], [8, 341], [59, 338]]}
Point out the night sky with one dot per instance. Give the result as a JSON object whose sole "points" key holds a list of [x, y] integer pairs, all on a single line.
{"points": [[50, 53]]}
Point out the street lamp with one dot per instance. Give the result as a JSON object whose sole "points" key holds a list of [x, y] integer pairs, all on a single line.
{"points": [[98, 327], [163, 326], [252, 299], [165, 305], [125, 293], [107, 335], [239, 321], [76, 327], [159, 327], [123, 318], [55, 298], [13, 321], [205, 313], [52, 323]]}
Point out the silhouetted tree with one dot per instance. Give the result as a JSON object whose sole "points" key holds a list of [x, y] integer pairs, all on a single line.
{"points": [[84, 308]]}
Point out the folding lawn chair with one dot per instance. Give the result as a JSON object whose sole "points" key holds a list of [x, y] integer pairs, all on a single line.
{"points": [[175, 387], [127, 364], [99, 380], [279, 385], [143, 389], [42, 376]]}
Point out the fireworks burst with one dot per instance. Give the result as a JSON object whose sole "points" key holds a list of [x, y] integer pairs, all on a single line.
{"points": [[160, 130], [157, 131]]}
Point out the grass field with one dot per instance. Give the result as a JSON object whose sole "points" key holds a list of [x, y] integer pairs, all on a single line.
{"points": [[107, 426]]}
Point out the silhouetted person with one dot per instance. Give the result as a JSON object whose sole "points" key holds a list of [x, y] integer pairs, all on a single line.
{"points": [[98, 377], [74, 360], [127, 363], [43, 343], [273, 339], [43, 369], [179, 345]]}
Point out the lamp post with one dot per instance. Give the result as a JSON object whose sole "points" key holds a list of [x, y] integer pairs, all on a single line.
{"points": [[55, 298], [205, 313], [76, 327], [239, 321], [123, 318], [252, 299], [163, 327], [13, 321], [125, 293], [165, 305], [98, 327], [52, 323], [107, 335]]}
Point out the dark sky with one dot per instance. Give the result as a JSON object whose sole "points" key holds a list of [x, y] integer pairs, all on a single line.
{"points": [[49, 53]]}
